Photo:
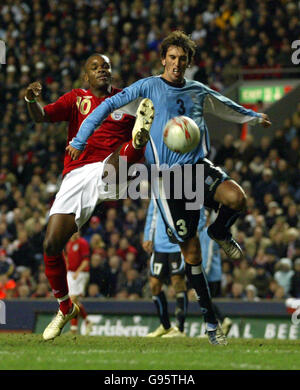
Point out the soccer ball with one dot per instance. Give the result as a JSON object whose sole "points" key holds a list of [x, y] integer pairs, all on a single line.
{"points": [[181, 134]]}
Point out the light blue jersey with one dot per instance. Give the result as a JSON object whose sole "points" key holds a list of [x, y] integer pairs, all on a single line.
{"points": [[155, 231], [192, 100]]}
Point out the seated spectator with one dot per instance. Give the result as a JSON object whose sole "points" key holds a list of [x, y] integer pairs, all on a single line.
{"points": [[237, 291], [99, 273], [273, 286], [114, 263], [132, 284], [295, 280], [93, 291], [97, 244], [291, 236], [244, 274], [271, 258], [266, 185], [261, 281], [7, 266], [278, 247], [256, 242], [284, 274], [273, 212], [41, 291], [292, 217], [226, 150], [296, 253], [23, 255], [7, 287], [94, 227], [124, 248], [251, 293], [23, 291], [280, 293]]}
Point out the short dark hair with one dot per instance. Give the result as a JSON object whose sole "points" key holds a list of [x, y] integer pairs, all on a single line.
{"points": [[180, 39]]}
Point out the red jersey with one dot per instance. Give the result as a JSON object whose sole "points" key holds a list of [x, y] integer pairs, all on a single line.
{"points": [[74, 107], [77, 251]]}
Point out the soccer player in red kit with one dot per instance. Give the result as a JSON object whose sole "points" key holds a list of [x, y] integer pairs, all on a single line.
{"points": [[83, 186], [78, 266]]}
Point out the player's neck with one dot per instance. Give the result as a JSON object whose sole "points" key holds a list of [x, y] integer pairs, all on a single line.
{"points": [[100, 92], [178, 84]]}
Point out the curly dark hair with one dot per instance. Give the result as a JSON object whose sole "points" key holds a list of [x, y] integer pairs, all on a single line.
{"points": [[180, 39]]}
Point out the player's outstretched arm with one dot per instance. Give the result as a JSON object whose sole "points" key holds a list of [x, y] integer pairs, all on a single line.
{"points": [[96, 117], [227, 109], [36, 111]]}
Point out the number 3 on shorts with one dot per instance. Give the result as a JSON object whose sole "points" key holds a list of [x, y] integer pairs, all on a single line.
{"points": [[182, 227]]}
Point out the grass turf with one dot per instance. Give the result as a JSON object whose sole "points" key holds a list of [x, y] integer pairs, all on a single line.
{"points": [[67, 352]]}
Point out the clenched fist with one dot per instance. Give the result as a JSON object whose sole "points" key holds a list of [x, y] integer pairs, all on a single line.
{"points": [[33, 90]]}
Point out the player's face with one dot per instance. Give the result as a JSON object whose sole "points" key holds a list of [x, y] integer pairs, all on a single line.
{"points": [[175, 63], [98, 72]]}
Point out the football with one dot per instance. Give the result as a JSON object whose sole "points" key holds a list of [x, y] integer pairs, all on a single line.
{"points": [[181, 134]]}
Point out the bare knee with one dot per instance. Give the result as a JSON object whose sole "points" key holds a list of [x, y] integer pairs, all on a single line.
{"points": [[52, 246], [230, 194], [178, 282]]}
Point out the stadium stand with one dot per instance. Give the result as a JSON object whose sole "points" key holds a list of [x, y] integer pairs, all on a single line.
{"points": [[45, 42]]}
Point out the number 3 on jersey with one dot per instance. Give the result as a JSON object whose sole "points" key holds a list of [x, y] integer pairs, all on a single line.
{"points": [[181, 108]]}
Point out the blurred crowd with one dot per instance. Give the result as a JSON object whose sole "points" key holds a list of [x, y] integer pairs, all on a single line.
{"points": [[45, 42]]}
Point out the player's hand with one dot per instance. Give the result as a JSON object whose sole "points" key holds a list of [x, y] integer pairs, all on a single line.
{"points": [[33, 90], [148, 246], [75, 275], [265, 120], [74, 153]]}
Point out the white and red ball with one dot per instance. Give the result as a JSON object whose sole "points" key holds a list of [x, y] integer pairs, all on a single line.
{"points": [[181, 134]]}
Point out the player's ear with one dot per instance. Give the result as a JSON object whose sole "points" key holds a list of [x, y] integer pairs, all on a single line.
{"points": [[85, 77], [163, 61]]}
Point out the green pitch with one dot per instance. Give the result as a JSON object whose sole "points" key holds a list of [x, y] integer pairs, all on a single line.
{"points": [[67, 352]]}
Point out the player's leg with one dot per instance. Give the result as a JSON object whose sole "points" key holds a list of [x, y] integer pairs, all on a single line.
{"points": [[157, 274], [196, 276], [225, 195], [179, 285], [74, 321], [177, 271], [59, 230], [215, 290], [83, 314], [133, 151], [182, 224]]}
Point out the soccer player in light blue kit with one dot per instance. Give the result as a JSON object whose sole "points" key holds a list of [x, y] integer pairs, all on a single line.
{"points": [[166, 259], [173, 95], [166, 264]]}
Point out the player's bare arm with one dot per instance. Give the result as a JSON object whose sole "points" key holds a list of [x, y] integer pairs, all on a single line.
{"points": [[148, 246], [35, 110]]}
